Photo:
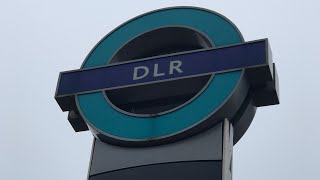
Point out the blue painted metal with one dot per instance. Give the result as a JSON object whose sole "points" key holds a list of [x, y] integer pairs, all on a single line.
{"points": [[193, 63]]}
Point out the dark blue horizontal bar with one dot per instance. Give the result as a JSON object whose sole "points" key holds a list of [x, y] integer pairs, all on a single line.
{"points": [[192, 63]]}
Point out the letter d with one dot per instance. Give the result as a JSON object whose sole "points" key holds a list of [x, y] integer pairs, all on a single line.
{"points": [[135, 72]]}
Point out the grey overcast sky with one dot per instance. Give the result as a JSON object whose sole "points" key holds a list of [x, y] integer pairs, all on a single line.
{"points": [[38, 39]]}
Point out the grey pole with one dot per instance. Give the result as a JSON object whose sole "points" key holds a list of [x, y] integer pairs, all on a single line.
{"points": [[207, 156]]}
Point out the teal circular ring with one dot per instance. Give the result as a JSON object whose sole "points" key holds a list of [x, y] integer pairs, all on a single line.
{"points": [[100, 115]]}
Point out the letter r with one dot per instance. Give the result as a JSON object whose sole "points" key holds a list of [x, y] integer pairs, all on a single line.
{"points": [[175, 65]]}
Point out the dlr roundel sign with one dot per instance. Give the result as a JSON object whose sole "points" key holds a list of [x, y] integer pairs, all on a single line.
{"points": [[167, 75]]}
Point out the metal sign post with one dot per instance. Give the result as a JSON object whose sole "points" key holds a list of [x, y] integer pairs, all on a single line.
{"points": [[167, 95], [206, 156]]}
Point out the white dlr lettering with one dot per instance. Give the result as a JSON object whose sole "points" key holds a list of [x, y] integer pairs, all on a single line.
{"points": [[141, 72]]}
